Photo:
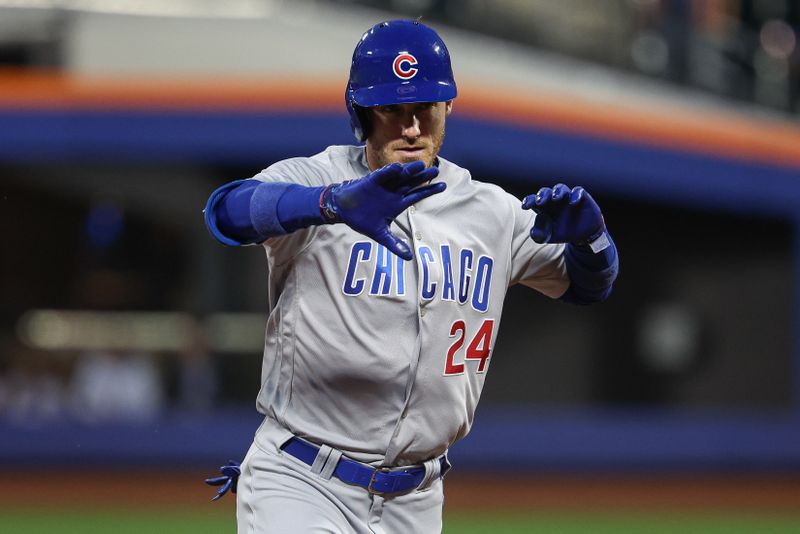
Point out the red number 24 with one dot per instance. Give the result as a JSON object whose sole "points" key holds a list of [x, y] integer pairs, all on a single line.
{"points": [[478, 349]]}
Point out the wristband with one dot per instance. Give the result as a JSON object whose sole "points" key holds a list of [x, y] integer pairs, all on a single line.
{"points": [[327, 207]]}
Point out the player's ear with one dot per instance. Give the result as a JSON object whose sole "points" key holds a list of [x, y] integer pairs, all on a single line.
{"points": [[448, 108]]}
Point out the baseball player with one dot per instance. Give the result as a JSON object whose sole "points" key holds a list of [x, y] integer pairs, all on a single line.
{"points": [[388, 266]]}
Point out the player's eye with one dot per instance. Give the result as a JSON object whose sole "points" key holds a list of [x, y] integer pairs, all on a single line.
{"points": [[392, 108]]}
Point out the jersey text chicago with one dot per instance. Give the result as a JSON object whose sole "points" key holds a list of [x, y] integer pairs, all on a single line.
{"points": [[463, 276]]}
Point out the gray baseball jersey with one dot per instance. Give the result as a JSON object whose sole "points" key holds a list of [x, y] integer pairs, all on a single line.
{"points": [[381, 358]]}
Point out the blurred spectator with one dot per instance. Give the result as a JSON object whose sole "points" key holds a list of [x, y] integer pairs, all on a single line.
{"points": [[32, 385], [109, 386], [197, 379]]}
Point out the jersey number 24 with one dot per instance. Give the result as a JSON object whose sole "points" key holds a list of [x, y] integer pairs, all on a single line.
{"points": [[478, 349]]}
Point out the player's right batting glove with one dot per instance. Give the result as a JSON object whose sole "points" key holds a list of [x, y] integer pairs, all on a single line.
{"points": [[370, 204], [228, 480]]}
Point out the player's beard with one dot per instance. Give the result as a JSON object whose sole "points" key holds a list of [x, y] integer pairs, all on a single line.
{"points": [[390, 153]]}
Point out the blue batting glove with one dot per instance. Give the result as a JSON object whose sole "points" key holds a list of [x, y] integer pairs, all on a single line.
{"points": [[565, 215], [370, 204], [228, 480]]}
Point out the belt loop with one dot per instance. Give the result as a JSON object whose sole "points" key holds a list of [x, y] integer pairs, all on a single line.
{"points": [[321, 459], [433, 469], [330, 464]]}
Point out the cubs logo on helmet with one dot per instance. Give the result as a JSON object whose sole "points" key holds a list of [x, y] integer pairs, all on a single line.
{"points": [[404, 66], [397, 62]]}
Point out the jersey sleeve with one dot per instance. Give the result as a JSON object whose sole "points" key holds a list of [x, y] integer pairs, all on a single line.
{"points": [[538, 266], [309, 172]]}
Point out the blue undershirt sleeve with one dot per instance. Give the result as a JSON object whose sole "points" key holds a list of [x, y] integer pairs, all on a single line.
{"points": [[298, 207], [591, 275], [227, 213], [248, 211]]}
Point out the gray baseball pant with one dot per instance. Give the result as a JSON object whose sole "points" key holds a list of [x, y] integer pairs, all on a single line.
{"points": [[279, 494]]}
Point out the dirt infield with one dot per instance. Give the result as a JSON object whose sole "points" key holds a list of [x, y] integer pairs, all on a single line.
{"points": [[463, 491], [608, 492]]}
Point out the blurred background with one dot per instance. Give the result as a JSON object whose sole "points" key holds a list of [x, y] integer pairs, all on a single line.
{"points": [[130, 341]]}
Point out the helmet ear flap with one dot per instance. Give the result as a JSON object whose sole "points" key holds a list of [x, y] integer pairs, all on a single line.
{"points": [[360, 119], [365, 118]]}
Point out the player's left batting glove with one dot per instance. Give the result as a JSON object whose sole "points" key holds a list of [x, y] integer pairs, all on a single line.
{"points": [[370, 204], [565, 215], [228, 480]]}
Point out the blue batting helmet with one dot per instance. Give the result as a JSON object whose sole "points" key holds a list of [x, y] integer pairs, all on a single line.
{"points": [[397, 62]]}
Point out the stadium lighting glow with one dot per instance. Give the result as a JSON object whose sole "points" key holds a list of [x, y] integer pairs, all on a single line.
{"points": [[172, 8], [147, 331]]}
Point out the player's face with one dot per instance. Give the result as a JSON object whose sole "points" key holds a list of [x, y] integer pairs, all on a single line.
{"points": [[401, 133]]}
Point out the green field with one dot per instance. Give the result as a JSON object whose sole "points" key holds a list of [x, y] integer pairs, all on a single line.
{"points": [[188, 522]]}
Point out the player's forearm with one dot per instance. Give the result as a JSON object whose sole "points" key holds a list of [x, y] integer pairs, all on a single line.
{"points": [[249, 211], [591, 274]]}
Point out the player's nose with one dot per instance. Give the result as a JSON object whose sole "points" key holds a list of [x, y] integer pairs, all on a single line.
{"points": [[411, 127]]}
